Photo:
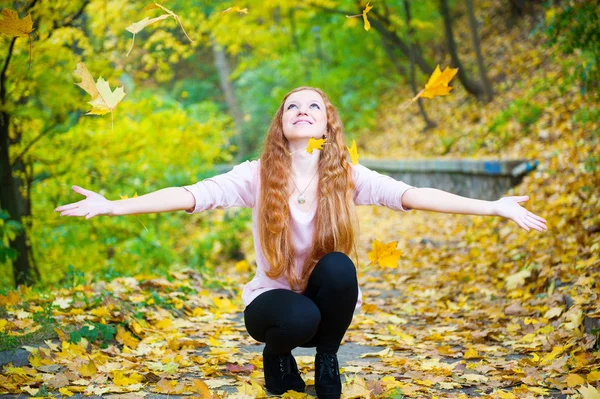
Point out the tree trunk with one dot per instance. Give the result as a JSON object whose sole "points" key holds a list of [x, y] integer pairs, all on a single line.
{"points": [[224, 72], [487, 86], [429, 124], [470, 85], [10, 200]]}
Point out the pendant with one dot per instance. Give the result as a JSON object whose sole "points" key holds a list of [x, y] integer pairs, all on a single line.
{"points": [[301, 199]]}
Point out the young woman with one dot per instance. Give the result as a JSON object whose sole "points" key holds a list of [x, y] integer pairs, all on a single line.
{"points": [[304, 223]]}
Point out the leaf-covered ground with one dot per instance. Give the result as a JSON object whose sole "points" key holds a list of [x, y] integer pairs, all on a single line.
{"points": [[476, 307]]}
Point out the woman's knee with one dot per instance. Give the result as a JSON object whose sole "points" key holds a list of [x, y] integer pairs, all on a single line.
{"points": [[337, 269]]}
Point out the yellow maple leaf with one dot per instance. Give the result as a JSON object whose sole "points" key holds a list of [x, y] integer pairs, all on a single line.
{"points": [[593, 376], [202, 389], [364, 14], [235, 9], [12, 25], [505, 395], [353, 153], [573, 380], [438, 83], [103, 99], [121, 380], [65, 392], [589, 392], [124, 337], [314, 144], [88, 369], [386, 255], [471, 354], [107, 100]]}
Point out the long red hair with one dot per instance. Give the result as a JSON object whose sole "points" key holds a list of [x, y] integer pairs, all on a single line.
{"points": [[336, 224]]}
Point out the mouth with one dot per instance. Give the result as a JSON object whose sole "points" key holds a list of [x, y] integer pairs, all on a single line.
{"points": [[302, 122]]}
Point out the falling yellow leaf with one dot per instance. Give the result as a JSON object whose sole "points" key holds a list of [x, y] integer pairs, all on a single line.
{"points": [[12, 25], [386, 255], [353, 153], [103, 99], [107, 100], [367, 25], [438, 83], [136, 27], [235, 9], [314, 144], [364, 14]]}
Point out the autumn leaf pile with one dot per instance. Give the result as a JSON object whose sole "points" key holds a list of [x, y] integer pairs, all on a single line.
{"points": [[463, 306]]}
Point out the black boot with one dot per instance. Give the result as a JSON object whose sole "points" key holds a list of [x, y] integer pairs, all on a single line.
{"points": [[281, 373], [327, 376]]}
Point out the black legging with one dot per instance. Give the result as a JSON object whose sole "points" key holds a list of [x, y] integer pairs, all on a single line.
{"points": [[285, 319]]}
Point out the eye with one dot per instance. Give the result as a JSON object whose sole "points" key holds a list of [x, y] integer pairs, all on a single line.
{"points": [[290, 106], [317, 105]]}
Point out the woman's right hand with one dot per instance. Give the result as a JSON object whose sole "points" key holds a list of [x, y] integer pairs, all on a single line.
{"points": [[94, 204]]}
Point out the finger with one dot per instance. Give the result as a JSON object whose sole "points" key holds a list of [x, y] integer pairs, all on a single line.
{"points": [[541, 219], [67, 207], [536, 223], [523, 198], [536, 217], [518, 222], [81, 190]]}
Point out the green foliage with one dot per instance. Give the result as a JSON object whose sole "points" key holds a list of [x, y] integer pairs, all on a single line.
{"points": [[223, 238], [8, 232], [96, 331], [575, 26], [525, 112]]}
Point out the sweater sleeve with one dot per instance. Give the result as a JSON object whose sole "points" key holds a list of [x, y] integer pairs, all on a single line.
{"points": [[373, 188], [234, 188]]}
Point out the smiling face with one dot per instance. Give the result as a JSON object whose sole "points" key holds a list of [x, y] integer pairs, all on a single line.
{"points": [[304, 116]]}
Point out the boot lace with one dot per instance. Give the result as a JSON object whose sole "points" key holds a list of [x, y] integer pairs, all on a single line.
{"points": [[287, 365], [328, 365]]}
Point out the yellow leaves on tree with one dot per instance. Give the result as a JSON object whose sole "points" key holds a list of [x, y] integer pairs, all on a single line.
{"points": [[138, 26], [386, 255], [438, 83], [353, 153], [235, 9], [11, 25], [103, 99]]}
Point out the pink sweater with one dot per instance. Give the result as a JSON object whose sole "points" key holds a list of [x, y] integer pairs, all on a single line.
{"points": [[241, 187]]}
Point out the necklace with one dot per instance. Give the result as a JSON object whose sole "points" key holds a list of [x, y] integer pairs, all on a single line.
{"points": [[301, 198]]}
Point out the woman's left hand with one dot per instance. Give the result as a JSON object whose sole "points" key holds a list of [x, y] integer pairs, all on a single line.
{"points": [[509, 208]]}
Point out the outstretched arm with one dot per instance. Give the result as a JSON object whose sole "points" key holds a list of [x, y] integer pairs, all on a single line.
{"points": [[435, 200]]}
